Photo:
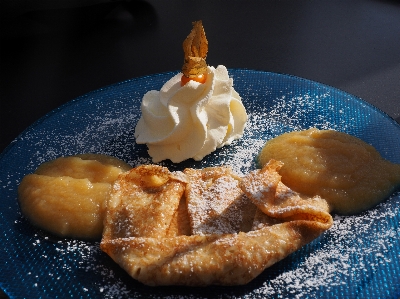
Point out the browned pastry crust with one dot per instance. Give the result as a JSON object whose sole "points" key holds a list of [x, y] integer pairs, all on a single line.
{"points": [[211, 257], [143, 202], [278, 201], [231, 259], [216, 204]]}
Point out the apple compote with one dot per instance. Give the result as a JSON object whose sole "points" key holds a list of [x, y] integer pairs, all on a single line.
{"points": [[67, 196], [349, 173]]}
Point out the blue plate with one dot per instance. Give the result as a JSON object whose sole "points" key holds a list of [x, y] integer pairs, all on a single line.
{"points": [[359, 257]]}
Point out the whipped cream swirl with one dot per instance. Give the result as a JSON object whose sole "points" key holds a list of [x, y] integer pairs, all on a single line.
{"points": [[191, 121]]}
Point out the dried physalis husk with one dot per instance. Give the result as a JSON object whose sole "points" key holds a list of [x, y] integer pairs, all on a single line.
{"points": [[195, 48]]}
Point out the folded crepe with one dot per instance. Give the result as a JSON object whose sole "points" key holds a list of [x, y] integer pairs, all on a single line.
{"points": [[222, 229]]}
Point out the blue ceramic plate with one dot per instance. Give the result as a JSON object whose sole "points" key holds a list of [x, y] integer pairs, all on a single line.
{"points": [[359, 257]]}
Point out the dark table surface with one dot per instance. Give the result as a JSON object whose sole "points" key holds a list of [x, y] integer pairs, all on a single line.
{"points": [[53, 52]]}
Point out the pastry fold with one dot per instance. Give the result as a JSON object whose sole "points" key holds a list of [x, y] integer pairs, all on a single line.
{"points": [[281, 222]]}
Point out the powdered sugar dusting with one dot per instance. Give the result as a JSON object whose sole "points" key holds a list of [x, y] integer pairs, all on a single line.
{"points": [[333, 264], [356, 251], [215, 207], [320, 270]]}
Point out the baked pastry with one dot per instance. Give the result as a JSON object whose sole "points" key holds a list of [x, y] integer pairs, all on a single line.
{"points": [[276, 201], [216, 204], [221, 255], [143, 203]]}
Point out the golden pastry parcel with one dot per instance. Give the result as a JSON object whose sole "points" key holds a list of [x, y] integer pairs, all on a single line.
{"points": [[238, 226]]}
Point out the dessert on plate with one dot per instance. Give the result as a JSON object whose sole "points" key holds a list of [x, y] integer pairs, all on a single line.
{"points": [[207, 226], [202, 226]]}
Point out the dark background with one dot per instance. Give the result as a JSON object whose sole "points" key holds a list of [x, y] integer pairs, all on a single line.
{"points": [[55, 51]]}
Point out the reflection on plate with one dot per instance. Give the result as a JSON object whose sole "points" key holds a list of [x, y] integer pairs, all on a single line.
{"points": [[358, 257]]}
